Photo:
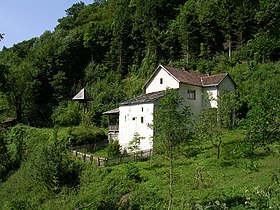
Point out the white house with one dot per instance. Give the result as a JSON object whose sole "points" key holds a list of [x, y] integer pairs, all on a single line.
{"points": [[135, 115]]}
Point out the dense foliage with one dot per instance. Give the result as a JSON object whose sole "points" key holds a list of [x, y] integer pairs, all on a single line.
{"points": [[111, 48]]}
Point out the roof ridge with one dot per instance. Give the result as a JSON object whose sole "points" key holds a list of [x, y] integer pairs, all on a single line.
{"points": [[213, 75]]}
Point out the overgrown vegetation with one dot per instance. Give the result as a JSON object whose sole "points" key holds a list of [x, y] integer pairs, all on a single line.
{"points": [[228, 158], [48, 177]]}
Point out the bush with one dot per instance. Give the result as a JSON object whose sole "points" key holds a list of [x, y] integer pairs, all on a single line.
{"points": [[67, 114], [19, 204], [146, 197], [113, 148], [86, 135], [53, 167]]}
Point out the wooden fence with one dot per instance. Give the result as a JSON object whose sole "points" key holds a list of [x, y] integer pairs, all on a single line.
{"points": [[123, 158], [90, 148]]}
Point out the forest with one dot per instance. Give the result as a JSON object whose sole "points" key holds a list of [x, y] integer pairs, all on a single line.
{"points": [[111, 47]]}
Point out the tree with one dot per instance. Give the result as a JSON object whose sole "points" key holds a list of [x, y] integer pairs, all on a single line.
{"points": [[227, 106], [172, 125], [22, 86], [263, 121], [208, 128], [187, 28], [134, 144]]}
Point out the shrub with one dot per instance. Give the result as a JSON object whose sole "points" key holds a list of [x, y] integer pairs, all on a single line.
{"points": [[86, 135], [53, 167], [113, 148], [67, 114]]}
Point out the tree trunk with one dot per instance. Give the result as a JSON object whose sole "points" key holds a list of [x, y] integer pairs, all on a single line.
{"points": [[187, 54], [18, 106], [219, 149], [229, 49], [170, 176]]}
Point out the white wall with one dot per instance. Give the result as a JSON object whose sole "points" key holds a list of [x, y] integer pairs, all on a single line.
{"points": [[168, 81], [130, 122], [210, 97], [195, 105]]}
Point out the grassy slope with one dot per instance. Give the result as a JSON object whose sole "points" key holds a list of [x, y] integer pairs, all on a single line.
{"points": [[230, 180]]}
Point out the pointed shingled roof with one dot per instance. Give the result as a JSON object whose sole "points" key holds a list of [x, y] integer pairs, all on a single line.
{"points": [[83, 95]]}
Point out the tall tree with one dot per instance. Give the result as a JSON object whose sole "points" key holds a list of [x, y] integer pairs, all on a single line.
{"points": [[172, 131], [121, 36]]}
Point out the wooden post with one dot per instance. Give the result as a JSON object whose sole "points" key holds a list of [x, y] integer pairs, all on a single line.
{"points": [[97, 161], [84, 157]]}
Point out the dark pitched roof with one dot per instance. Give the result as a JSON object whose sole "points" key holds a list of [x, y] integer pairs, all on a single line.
{"points": [[145, 98], [112, 111]]}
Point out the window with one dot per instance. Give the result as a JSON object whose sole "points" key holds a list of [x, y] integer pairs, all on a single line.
{"points": [[191, 94], [142, 119], [133, 118], [142, 109], [160, 81]]}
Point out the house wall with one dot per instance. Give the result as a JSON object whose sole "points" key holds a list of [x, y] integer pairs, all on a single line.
{"points": [[130, 123], [168, 81], [226, 84], [212, 93], [210, 97], [195, 105]]}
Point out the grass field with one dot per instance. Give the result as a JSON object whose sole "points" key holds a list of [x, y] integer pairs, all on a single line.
{"points": [[201, 181]]}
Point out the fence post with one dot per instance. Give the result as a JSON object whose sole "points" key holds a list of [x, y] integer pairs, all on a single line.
{"points": [[97, 161], [84, 157]]}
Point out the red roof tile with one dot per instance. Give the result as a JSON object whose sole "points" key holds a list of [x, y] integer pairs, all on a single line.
{"points": [[213, 79], [195, 78], [188, 77]]}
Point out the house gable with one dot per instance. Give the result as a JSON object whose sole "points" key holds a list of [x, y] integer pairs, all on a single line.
{"points": [[160, 80], [227, 84]]}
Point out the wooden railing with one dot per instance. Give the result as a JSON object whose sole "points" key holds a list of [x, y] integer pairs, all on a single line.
{"points": [[123, 158], [114, 128]]}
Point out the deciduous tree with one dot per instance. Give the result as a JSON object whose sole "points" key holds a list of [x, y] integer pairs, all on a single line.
{"points": [[172, 126]]}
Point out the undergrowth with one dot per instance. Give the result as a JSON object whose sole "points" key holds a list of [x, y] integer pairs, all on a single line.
{"points": [[201, 181]]}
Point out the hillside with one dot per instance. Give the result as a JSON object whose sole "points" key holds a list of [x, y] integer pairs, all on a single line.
{"points": [[49, 178], [111, 48]]}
